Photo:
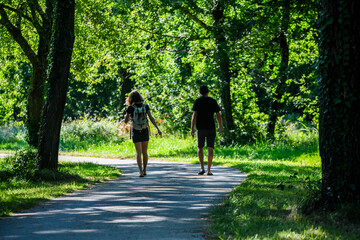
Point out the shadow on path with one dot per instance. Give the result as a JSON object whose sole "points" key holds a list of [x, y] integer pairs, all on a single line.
{"points": [[171, 202]]}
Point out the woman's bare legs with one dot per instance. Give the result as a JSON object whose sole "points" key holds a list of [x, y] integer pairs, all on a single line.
{"points": [[138, 147], [144, 147]]}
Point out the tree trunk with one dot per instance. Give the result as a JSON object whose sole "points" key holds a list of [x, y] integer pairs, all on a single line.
{"points": [[35, 104], [223, 65], [63, 41], [284, 52], [339, 122], [38, 61], [126, 87]]}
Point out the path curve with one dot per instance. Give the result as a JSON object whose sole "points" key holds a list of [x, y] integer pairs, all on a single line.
{"points": [[171, 202]]}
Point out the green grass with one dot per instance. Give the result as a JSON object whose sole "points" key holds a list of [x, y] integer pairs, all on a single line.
{"points": [[168, 147], [268, 204], [17, 194]]}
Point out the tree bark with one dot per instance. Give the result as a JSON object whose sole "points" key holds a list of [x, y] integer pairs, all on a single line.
{"points": [[35, 103], [339, 122], [223, 65], [126, 86], [63, 41], [284, 52]]}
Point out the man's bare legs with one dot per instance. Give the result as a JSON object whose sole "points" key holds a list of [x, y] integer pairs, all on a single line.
{"points": [[201, 159], [210, 159]]}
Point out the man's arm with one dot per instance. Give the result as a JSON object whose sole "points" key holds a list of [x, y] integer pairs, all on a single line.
{"points": [[219, 120], [193, 122]]}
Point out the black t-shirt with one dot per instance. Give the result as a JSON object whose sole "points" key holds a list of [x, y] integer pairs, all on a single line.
{"points": [[131, 109], [205, 108]]}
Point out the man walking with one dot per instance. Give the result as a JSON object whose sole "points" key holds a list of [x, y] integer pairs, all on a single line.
{"points": [[203, 117]]}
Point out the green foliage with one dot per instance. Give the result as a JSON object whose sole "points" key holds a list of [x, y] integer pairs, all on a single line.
{"points": [[87, 131], [100, 98], [22, 165], [12, 132], [169, 55], [15, 77]]}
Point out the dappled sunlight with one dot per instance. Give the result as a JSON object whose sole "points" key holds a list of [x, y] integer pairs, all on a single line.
{"points": [[172, 196], [64, 231]]}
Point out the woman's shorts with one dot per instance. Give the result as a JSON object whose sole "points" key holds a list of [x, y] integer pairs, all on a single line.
{"points": [[140, 135], [209, 134]]}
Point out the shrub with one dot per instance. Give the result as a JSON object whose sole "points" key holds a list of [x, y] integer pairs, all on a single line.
{"points": [[92, 129], [23, 164], [12, 132]]}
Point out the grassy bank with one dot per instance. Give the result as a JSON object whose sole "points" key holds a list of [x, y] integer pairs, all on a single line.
{"points": [[19, 192]]}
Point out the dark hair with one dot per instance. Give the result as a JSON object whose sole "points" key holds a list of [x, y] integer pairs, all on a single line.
{"points": [[134, 97], [204, 90]]}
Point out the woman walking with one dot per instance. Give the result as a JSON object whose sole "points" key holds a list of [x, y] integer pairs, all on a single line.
{"points": [[137, 112]]}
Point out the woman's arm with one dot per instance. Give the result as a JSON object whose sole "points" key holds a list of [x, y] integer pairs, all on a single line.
{"points": [[152, 119], [127, 117]]}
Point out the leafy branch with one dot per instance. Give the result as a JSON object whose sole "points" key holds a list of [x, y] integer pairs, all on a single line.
{"points": [[189, 38], [195, 18], [16, 34]]}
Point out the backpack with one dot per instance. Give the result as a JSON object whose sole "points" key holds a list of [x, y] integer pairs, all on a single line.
{"points": [[139, 118]]}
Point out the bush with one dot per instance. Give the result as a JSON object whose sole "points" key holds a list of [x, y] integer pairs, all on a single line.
{"points": [[12, 132], [22, 165], [99, 130], [296, 133]]}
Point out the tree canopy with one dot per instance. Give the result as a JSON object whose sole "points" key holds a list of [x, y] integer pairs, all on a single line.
{"points": [[167, 49]]}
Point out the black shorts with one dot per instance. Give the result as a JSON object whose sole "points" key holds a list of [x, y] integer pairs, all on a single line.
{"points": [[209, 134], [140, 135]]}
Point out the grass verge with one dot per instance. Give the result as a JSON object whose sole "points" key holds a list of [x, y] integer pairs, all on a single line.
{"points": [[281, 178], [17, 194]]}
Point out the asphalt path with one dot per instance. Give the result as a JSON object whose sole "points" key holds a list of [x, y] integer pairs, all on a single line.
{"points": [[171, 202]]}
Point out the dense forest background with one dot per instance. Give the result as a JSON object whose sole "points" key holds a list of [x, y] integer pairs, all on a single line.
{"points": [[259, 58]]}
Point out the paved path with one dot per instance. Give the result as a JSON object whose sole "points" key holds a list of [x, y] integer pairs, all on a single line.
{"points": [[171, 202]]}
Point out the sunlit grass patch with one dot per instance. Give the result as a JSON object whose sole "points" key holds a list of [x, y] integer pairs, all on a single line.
{"points": [[267, 204]]}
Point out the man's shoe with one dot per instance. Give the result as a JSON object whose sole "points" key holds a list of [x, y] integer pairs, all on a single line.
{"points": [[201, 172]]}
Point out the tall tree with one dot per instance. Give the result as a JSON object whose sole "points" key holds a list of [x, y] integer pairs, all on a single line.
{"points": [[62, 48], [17, 18], [219, 31], [222, 60], [284, 53], [339, 123]]}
